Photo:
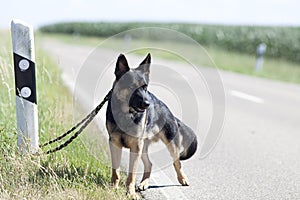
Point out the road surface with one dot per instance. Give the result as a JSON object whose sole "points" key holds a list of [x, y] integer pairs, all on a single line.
{"points": [[258, 153]]}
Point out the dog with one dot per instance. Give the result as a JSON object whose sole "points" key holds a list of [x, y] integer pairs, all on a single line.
{"points": [[134, 118]]}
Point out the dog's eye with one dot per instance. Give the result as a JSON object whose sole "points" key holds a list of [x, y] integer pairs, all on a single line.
{"points": [[145, 87]]}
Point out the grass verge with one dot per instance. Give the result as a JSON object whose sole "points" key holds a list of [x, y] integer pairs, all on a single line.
{"points": [[273, 68], [73, 173]]}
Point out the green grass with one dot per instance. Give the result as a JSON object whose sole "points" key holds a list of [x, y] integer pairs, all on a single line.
{"points": [[273, 68], [72, 173]]}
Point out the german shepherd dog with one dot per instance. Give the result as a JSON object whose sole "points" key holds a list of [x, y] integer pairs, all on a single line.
{"points": [[135, 118]]}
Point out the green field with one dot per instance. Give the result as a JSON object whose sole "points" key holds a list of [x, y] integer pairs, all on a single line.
{"points": [[273, 68], [283, 42], [80, 171]]}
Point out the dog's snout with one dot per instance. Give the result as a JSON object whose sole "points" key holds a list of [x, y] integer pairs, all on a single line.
{"points": [[146, 104]]}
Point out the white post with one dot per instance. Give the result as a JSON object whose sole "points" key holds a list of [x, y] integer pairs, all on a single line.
{"points": [[25, 85], [260, 51]]}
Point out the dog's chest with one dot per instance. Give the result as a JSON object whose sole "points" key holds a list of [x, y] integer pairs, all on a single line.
{"points": [[138, 118]]}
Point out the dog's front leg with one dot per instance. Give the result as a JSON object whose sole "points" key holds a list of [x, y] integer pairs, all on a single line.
{"points": [[135, 154], [147, 167], [116, 153]]}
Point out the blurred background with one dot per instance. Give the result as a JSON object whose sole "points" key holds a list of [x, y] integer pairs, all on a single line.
{"points": [[231, 25]]}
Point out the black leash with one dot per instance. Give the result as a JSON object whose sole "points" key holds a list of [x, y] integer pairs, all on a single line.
{"points": [[83, 123]]}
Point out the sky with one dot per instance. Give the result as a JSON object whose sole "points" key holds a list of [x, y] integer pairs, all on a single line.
{"points": [[233, 12]]}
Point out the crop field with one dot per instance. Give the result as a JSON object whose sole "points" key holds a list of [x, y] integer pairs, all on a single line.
{"points": [[282, 42], [276, 68]]}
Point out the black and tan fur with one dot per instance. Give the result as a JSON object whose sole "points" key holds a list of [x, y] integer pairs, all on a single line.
{"points": [[135, 118]]}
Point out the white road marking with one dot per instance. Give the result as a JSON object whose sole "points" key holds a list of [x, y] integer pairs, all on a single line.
{"points": [[160, 178], [247, 97]]}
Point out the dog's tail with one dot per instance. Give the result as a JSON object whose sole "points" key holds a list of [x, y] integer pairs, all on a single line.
{"points": [[189, 141]]}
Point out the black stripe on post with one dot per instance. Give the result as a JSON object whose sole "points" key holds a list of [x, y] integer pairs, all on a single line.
{"points": [[25, 78]]}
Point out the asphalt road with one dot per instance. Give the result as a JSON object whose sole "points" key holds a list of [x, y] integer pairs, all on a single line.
{"points": [[258, 153]]}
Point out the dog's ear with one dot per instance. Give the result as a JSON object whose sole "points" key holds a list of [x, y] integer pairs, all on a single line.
{"points": [[121, 66], [145, 65]]}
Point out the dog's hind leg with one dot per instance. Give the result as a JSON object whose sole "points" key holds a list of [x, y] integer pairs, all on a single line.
{"points": [[136, 147], [116, 154], [174, 150], [180, 174], [147, 167]]}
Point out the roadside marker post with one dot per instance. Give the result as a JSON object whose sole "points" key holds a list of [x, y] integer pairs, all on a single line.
{"points": [[260, 51], [25, 86]]}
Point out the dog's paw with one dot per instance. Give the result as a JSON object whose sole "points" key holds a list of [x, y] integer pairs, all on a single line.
{"points": [[134, 195], [114, 185], [131, 192], [143, 185], [183, 181]]}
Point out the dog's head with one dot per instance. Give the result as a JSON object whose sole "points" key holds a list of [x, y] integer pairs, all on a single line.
{"points": [[131, 83]]}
